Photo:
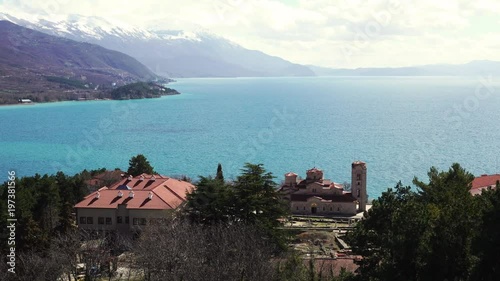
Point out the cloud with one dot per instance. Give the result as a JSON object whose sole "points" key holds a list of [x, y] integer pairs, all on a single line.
{"points": [[341, 33]]}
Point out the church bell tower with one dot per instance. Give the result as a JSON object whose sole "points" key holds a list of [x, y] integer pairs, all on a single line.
{"points": [[358, 184]]}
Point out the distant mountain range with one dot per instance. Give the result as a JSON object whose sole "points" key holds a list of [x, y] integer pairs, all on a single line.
{"points": [[33, 62], [177, 53], [172, 53], [474, 68]]}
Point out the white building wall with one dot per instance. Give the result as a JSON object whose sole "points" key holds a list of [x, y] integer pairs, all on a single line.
{"points": [[113, 214], [146, 214], [96, 214]]}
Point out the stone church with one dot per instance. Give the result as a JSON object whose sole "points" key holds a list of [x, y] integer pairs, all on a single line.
{"points": [[315, 195]]}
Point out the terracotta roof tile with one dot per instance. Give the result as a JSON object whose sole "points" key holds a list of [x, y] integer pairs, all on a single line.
{"points": [[167, 193], [485, 181]]}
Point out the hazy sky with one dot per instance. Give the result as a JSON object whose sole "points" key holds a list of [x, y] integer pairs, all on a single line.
{"points": [[324, 32]]}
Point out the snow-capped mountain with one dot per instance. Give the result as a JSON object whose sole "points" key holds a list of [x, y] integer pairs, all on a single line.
{"points": [[48, 68], [173, 53]]}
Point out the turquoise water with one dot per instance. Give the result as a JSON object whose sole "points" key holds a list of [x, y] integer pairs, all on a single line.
{"points": [[400, 126]]}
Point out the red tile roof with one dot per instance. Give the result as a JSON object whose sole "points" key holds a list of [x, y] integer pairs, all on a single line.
{"points": [[106, 176], [485, 181], [167, 193]]}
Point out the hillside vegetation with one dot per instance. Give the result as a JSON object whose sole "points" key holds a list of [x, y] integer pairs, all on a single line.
{"points": [[141, 90], [45, 68]]}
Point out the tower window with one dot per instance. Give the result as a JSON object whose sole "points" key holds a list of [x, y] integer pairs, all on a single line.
{"points": [[358, 177]]}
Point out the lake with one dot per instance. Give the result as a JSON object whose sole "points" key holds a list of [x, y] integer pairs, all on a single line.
{"points": [[400, 126]]}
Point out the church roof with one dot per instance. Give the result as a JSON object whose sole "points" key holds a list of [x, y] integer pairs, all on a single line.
{"points": [[314, 169]]}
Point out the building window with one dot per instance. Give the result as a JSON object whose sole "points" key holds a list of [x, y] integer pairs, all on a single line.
{"points": [[100, 220], [323, 208], [109, 221], [119, 219], [83, 220], [154, 221], [304, 208], [126, 219], [90, 220], [358, 192], [331, 209], [139, 221], [359, 183], [314, 190], [358, 177], [297, 208]]}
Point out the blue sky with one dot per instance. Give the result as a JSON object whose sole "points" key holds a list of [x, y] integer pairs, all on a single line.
{"points": [[334, 33]]}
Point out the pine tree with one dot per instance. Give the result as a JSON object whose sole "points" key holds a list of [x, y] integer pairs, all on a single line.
{"points": [[139, 165], [425, 234], [210, 203], [257, 201]]}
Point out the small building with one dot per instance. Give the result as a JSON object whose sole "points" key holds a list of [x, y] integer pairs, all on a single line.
{"points": [[106, 178], [484, 182], [25, 101], [318, 196], [128, 205]]}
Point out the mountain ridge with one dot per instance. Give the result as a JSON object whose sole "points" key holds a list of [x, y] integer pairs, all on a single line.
{"points": [[472, 68], [34, 63], [174, 53]]}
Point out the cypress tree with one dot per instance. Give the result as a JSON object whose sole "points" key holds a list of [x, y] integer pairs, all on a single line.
{"points": [[219, 175]]}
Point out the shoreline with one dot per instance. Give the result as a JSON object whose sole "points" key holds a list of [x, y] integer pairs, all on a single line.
{"points": [[85, 100], [46, 102]]}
